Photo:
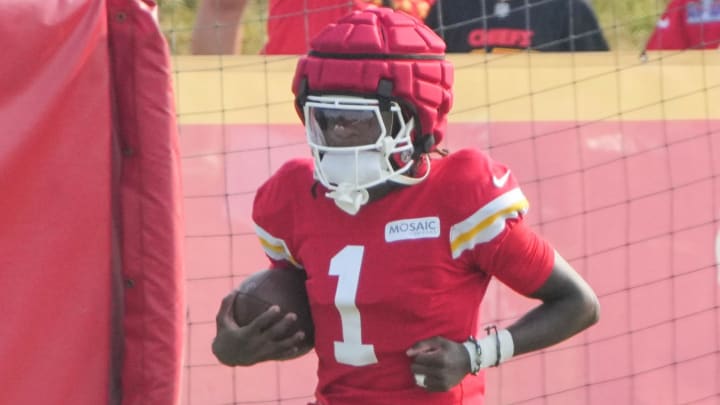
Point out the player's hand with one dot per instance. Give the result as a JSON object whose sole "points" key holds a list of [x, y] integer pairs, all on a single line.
{"points": [[442, 362], [265, 338]]}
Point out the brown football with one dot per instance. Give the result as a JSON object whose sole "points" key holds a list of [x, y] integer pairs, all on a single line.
{"points": [[282, 287]]}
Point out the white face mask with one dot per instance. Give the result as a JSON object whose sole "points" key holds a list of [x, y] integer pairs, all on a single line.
{"points": [[352, 176], [349, 167], [343, 167]]}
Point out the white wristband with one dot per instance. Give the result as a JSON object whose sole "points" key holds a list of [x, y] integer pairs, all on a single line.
{"points": [[490, 351], [496, 348], [473, 350]]}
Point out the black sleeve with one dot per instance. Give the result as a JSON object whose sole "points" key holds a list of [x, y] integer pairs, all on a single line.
{"points": [[585, 28]]}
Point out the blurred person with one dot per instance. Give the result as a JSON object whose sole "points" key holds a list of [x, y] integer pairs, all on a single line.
{"points": [[216, 29], [512, 25], [687, 24], [398, 246], [290, 23]]}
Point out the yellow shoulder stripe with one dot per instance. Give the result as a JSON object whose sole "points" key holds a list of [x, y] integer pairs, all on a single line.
{"points": [[487, 222], [275, 248]]}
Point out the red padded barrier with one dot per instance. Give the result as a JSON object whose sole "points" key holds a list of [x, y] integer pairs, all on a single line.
{"points": [[90, 213], [150, 205], [54, 203]]}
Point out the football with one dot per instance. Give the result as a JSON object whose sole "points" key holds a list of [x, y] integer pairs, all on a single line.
{"points": [[282, 287]]}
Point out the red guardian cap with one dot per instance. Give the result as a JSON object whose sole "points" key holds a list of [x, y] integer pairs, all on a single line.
{"points": [[384, 54]]}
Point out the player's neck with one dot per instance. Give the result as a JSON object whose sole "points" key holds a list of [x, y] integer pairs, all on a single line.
{"points": [[381, 190], [377, 192]]}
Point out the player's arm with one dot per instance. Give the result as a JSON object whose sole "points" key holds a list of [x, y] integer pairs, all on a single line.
{"points": [[568, 306], [495, 239], [265, 338], [525, 262], [218, 27]]}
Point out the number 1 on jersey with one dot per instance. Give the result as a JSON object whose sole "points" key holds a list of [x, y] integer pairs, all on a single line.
{"points": [[346, 265]]}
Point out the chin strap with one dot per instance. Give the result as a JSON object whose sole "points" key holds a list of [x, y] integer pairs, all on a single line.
{"points": [[408, 180], [349, 199]]}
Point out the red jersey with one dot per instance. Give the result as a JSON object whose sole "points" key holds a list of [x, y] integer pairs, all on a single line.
{"points": [[409, 266], [688, 24], [293, 23]]}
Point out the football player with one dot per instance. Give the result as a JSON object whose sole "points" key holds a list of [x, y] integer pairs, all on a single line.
{"points": [[398, 246]]}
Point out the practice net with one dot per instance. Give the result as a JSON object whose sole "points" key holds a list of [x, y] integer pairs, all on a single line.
{"points": [[618, 153]]}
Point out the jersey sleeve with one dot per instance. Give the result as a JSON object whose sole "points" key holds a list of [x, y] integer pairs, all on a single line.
{"points": [[669, 32], [494, 237], [521, 259], [273, 213]]}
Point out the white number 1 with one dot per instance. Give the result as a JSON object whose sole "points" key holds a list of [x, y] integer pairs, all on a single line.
{"points": [[346, 265]]}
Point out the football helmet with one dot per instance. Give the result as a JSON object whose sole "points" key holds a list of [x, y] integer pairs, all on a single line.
{"points": [[373, 92]]}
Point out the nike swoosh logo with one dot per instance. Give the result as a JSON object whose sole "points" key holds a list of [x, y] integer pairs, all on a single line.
{"points": [[500, 182]]}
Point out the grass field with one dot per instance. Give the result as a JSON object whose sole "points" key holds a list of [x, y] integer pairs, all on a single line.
{"points": [[626, 23]]}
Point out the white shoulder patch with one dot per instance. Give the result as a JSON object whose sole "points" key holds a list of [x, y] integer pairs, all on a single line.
{"points": [[414, 228]]}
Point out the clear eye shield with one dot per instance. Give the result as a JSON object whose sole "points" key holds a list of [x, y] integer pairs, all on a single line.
{"points": [[324, 115], [347, 122]]}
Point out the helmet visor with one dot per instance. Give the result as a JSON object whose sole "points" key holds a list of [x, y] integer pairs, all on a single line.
{"points": [[344, 127]]}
